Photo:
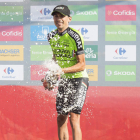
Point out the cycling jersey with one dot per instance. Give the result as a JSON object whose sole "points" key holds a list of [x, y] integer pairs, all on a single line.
{"points": [[65, 47]]}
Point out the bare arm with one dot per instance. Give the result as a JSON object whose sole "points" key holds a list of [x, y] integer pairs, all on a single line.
{"points": [[80, 66]]}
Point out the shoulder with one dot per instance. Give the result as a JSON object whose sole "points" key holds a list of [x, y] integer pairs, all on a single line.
{"points": [[51, 34], [76, 35]]}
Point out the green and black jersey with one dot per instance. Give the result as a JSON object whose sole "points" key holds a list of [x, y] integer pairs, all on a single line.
{"points": [[65, 47]]}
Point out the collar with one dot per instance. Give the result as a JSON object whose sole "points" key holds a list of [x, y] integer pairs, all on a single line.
{"points": [[65, 31]]}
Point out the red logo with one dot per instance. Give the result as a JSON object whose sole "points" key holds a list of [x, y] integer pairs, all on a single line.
{"points": [[38, 72], [11, 33], [121, 13]]}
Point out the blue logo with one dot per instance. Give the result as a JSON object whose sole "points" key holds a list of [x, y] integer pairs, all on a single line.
{"points": [[8, 70], [45, 11], [83, 31], [90, 71], [39, 33], [12, 51], [120, 51]]}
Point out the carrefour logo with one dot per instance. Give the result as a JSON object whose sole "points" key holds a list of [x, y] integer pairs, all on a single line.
{"points": [[8, 70], [120, 51], [83, 30], [89, 32], [45, 11], [41, 13]]}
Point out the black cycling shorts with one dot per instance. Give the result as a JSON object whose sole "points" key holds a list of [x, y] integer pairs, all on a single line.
{"points": [[71, 95]]}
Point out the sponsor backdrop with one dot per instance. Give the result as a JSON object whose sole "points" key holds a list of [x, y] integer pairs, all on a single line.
{"points": [[111, 33]]}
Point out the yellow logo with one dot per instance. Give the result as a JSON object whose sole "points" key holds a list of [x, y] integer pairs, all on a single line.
{"points": [[11, 52], [92, 71]]}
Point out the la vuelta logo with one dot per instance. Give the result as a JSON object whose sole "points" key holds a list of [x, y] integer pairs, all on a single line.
{"points": [[120, 12], [11, 33]]}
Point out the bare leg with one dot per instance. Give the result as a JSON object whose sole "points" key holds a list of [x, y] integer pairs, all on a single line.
{"points": [[62, 127], [75, 124]]}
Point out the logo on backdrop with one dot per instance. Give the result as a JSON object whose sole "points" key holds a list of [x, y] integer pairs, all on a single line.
{"points": [[39, 33], [45, 11], [38, 72], [89, 32], [41, 52], [91, 52], [83, 30], [11, 52], [11, 33], [11, 13], [8, 70], [41, 13], [121, 13], [84, 12], [11, 72], [120, 53], [120, 73], [120, 32], [92, 71]]}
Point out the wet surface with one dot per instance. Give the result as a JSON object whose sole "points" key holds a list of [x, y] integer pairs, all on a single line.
{"points": [[109, 113]]}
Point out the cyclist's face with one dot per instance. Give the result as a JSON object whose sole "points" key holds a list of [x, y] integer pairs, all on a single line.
{"points": [[61, 21]]}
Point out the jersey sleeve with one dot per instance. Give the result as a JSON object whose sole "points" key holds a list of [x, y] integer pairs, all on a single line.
{"points": [[76, 35]]}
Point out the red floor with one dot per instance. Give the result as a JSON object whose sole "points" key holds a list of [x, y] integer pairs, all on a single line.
{"points": [[109, 113]]}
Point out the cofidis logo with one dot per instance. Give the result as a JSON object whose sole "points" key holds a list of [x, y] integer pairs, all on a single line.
{"points": [[120, 32], [120, 53], [11, 53], [84, 12], [39, 33], [89, 32], [41, 52], [92, 71], [120, 73], [38, 72], [11, 13], [11, 33], [120, 12], [11, 72], [91, 52], [41, 13]]}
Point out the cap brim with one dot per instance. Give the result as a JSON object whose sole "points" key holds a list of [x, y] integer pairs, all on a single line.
{"points": [[58, 12]]}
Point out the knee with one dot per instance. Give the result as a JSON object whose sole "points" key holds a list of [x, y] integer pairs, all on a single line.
{"points": [[75, 121], [61, 120]]}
